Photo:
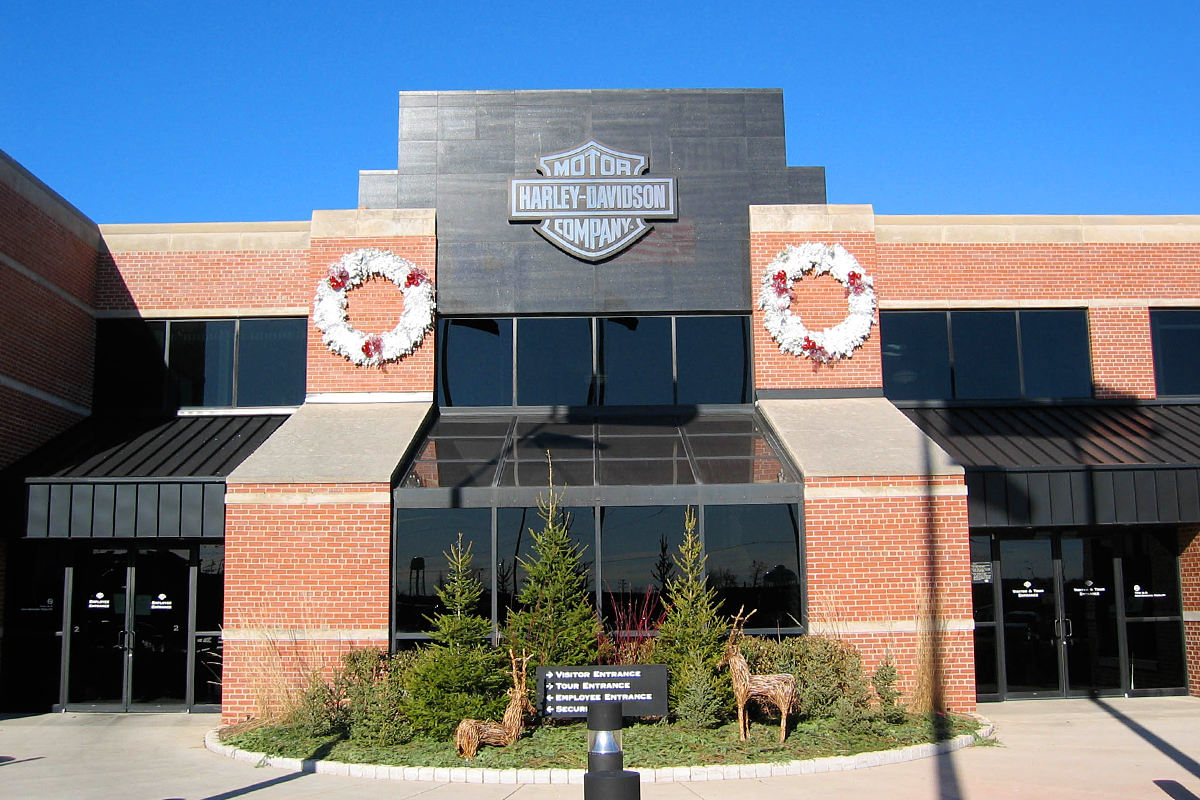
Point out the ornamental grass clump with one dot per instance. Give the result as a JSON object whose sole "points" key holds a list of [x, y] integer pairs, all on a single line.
{"points": [[460, 675]]}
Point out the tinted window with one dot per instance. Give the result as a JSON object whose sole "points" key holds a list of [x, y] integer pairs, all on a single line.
{"points": [[271, 362], [475, 362], [554, 362], [1176, 336], [131, 365], [1055, 358], [514, 544], [200, 355], [712, 357], [985, 354], [422, 537], [635, 361], [916, 355], [638, 547], [753, 561]]}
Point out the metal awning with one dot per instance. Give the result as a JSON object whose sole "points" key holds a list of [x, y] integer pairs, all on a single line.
{"points": [[1073, 465], [109, 478]]}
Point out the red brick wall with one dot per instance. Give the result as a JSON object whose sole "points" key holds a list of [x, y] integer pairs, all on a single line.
{"points": [[46, 340], [884, 553], [203, 279], [306, 574], [1122, 360], [1189, 568], [821, 303], [374, 306]]}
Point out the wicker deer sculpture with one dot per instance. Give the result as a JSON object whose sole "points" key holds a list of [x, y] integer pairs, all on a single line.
{"points": [[471, 733], [777, 690]]}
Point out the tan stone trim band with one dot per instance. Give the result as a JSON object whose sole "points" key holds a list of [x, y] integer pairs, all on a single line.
{"points": [[192, 236], [373, 222], [888, 626], [1044, 229], [45, 397], [41, 281], [860, 492], [812, 218], [1191, 616], [205, 313], [302, 634], [370, 397], [1008, 302], [307, 499]]}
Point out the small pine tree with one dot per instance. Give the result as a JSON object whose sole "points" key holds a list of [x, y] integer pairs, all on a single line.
{"points": [[555, 622], [459, 625], [691, 635], [460, 675]]}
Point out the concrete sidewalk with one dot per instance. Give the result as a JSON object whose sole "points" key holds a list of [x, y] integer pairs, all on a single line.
{"points": [[1116, 748]]}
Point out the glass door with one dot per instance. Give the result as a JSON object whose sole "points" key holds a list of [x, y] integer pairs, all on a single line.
{"points": [[1089, 624], [128, 644], [98, 645], [1061, 622], [1032, 626]]}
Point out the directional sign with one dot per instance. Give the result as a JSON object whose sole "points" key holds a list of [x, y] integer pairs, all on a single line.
{"points": [[566, 691]]}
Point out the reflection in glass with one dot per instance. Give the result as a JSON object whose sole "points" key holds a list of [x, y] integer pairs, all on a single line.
{"points": [[1030, 643], [1151, 571], [1175, 333], [210, 588], [1063, 370], [712, 356], [1155, 655], [422, 537], [916, 355], [514, 543], [985, 660], [201, 362], [131, 366], [754, 561], [645, 472], [983, 593], [271, 362], [475, 362], [638, 545], [554, 361], [635, 361], [985, 355]]}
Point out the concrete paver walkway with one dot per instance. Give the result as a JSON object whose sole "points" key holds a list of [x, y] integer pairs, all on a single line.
{"points": [[1061, 749]]}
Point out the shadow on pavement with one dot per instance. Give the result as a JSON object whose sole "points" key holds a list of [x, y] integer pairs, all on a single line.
{"points": [[1175, 790], [1159, 743], [254, 787], [6, 761]]}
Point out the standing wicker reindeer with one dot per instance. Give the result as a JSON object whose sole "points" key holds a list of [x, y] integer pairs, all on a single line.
{"points": [[778, 690], [471, 733]]}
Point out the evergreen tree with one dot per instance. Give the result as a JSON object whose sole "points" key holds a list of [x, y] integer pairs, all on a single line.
{"points": [[691, 637], [459, 625], [460, 675], [554, 623]]}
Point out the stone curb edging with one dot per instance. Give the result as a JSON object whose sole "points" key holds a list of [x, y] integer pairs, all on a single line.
{"points": [[575, 776]]}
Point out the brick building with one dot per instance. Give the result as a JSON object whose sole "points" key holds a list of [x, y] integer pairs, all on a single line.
{"points": [[998, 488]]}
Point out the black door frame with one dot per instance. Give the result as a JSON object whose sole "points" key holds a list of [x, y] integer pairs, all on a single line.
{"points": [[1055, 537], [131, 548]]}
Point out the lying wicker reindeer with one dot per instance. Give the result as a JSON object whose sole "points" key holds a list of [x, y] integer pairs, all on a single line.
{"points": [[778, 690], [471, 733]]}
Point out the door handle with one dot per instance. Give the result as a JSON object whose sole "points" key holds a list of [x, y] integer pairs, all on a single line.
{"points": [[1070, 627], [1057, 628]]}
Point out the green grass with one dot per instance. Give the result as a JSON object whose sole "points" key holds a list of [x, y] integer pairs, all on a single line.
{"points": [[646, 746]]}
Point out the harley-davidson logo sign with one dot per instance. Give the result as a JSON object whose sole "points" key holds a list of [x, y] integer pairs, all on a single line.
{"points": [[591, 201]]}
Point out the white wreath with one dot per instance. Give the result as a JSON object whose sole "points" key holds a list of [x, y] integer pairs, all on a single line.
{"points": [[775, 299], [351, 271]]}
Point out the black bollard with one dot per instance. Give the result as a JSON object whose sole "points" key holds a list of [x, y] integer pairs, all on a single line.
{"points": [[607, 778]]}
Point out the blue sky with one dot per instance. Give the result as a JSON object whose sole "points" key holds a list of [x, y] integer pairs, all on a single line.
{"points": [[218, 111]]}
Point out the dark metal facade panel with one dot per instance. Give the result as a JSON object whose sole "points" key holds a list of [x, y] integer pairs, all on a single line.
{"points": [[213, 520], [161, 510], [1065, 436], [458, 151], [1047, 498]]}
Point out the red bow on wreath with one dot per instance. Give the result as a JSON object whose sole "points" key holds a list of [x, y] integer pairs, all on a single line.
{"points": [[415, 278], [373, 346]]}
